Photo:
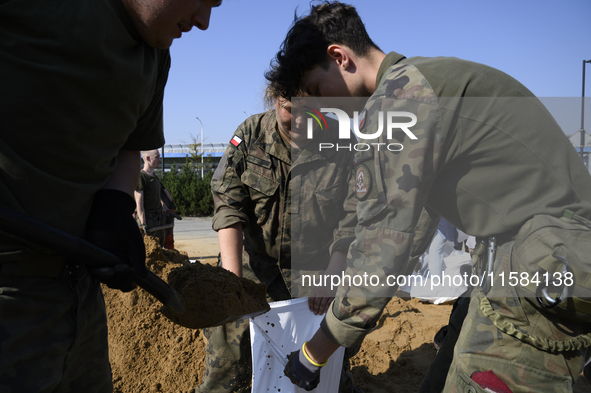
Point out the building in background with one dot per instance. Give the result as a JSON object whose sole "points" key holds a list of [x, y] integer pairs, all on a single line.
{"points": [[181, 154]]}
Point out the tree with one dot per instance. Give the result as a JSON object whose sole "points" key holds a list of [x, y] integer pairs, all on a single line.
{"points": [[190, 193]]}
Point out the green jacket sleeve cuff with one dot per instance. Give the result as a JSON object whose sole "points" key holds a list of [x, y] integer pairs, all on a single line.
{"points": [[227, 217], [341, 333]]}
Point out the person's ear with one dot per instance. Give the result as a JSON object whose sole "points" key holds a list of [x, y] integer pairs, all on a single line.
{"points": [[340, 55]]}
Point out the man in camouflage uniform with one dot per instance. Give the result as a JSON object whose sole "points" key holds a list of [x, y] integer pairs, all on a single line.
{"points": [[254, 189], [492, 166]]}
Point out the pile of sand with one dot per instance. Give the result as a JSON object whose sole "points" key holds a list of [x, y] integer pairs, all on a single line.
{"points": [[151, 354], [148, 352], [396, 356], [214, 296]]}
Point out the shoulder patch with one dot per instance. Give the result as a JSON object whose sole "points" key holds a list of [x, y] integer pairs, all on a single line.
{"points": [[236, 140], [363, 182], [362, 119]]}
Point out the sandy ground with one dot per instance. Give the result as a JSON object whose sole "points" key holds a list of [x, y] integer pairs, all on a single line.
{"points": [[151, 354], [194, 236], [205, 251]]}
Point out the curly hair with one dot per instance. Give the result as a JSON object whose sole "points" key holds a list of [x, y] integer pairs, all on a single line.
{"points": [[307, 40]]}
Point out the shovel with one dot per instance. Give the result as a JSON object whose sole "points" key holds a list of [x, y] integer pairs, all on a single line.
{"points": [[68, 245]]}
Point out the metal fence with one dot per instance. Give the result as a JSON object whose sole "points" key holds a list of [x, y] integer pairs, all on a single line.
{"points": [[179, 153], [185, 148]]}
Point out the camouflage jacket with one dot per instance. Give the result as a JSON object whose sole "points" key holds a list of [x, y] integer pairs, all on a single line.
{"points": [[483, 152], [281, 206]]}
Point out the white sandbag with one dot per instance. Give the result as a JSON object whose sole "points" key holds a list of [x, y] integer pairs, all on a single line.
{"points": [[436, 293], [286, 327], [471, 242], [445, 289]]}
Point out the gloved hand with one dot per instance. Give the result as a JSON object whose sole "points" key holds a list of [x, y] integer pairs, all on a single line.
{"points": [[302, 371], [112, 227]]}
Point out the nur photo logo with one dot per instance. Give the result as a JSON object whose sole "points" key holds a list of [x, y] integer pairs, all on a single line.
{"points": [[386, 121]]}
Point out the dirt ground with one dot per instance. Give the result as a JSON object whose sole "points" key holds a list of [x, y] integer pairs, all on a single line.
{"points": [[151, 354]]}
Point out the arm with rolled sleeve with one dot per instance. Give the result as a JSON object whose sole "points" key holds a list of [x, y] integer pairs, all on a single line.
{"points": [[344, 234], [230, 198]]}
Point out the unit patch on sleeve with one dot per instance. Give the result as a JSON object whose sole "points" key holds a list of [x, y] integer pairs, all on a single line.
{"points": [[363, 182]]}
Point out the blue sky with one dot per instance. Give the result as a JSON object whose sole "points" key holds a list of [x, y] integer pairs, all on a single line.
{"points": [[217, 75]]}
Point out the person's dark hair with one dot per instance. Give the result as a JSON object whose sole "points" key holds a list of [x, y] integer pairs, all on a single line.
{"points": [[330, 22], [271, 94]]}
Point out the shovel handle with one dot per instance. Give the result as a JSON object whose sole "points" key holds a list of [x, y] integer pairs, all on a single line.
{"points": [[158, 288], [68, 245]]}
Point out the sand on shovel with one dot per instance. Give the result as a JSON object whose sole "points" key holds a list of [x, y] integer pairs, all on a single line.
{"points": [[214, 296]]}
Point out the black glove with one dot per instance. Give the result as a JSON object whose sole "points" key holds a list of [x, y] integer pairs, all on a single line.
{"points": [[302, 371], [112, 227]]}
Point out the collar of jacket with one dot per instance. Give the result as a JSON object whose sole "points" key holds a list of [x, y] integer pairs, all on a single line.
{"points": [[390, 59]]}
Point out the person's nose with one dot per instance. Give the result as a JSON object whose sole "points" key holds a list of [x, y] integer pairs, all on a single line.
{"points": [[299, 120], [201, 17]]}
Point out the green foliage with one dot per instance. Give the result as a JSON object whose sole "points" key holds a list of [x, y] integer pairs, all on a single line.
{"points": [[191, 195], [195, 154]]}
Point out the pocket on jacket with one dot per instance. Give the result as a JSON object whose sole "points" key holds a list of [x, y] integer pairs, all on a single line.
{"points": [[262, 192]]}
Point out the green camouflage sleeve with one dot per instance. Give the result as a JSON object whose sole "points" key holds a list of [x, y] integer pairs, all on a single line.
{"points": [[424, 232], [393, 179], [344, 234], [229, 194]]}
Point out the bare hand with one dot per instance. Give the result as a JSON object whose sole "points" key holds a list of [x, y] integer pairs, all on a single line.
{"points": [[320, 299]]}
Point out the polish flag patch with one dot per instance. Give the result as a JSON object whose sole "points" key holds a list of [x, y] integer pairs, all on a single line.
{"points": [[236, 140], [361, 120]]}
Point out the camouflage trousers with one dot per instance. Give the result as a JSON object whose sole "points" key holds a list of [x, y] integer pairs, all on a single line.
{"points": [[228, 357], [168, 232], [53, 336], [156, 219], [523, 367]]}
